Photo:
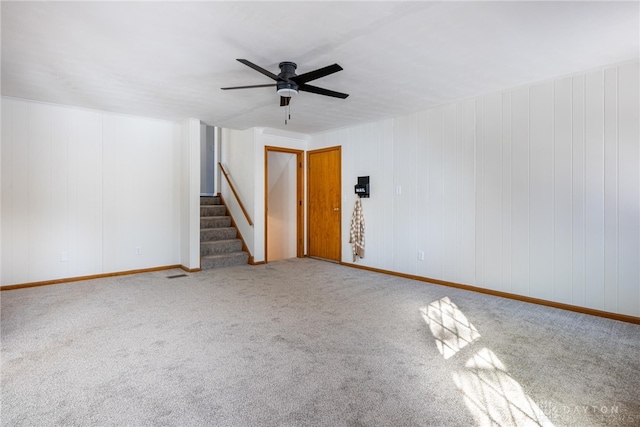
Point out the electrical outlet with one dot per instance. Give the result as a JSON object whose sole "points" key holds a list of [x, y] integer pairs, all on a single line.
{"points": [[64, 256], [420, 255], [138, 250]]}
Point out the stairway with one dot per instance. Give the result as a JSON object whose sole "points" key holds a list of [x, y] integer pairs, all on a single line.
{"points": [[219, 245]]}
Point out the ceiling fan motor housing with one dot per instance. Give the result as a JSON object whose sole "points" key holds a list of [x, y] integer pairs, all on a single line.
{"points": [[284, 86]]}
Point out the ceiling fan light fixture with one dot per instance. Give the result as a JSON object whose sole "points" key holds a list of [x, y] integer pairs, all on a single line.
{"points": [[287, 92], [286, 88]]}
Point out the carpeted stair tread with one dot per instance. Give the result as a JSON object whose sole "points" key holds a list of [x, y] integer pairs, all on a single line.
{"points": [[210, 201], [212, 210], [215, 217], [224, 260], [221, 241], [222, 229], [215, 222], [216, 247], [217, 228], [219, 233]]}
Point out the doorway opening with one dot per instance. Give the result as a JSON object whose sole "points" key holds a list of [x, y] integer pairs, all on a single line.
{"points": [[284, 208], [209, 153]]}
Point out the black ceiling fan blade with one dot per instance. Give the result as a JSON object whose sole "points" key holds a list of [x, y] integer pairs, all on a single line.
{"points": [[321, 91], [320, 72], [248, 87], [259, 69], [284, 101]]}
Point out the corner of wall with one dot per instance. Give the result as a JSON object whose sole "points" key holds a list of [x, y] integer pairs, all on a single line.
{"points": [[190, 193]]}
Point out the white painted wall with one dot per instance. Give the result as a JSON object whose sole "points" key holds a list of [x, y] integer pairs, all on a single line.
{"points": [[533, 191], [281, 217], [272, 138], [238, 158], [243, 153], [89, 187]]}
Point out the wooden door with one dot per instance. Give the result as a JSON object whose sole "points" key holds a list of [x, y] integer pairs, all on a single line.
{"points": [[323, 203]]}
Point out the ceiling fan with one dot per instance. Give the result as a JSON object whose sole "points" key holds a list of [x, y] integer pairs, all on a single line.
{"points": [[288, 83]]}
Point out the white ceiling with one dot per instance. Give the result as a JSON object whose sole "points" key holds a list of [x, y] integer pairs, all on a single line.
{"points": [[169, 59]]}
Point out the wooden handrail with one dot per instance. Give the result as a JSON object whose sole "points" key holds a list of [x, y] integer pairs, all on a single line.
{"points": [[233, 190]]}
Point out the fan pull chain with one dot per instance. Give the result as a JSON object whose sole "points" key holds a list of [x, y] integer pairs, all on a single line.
{"points": [[287, 111]]}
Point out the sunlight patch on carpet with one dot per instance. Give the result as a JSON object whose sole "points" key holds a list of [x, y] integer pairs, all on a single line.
{"points": [[449, 326], [493, 396]]}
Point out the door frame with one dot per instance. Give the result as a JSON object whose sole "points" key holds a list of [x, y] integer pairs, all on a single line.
{"points": [[339, 190], [299, 198]]}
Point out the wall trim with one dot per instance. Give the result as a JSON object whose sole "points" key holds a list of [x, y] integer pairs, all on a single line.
{"points": [[94, 276], [562, 306]]}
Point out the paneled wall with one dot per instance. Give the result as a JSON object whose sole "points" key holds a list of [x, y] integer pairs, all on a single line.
{"points": [[82, 190], [533, 191], [243, 153], [238, 157]]}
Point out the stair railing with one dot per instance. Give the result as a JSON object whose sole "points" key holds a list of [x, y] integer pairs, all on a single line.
{"points": [[235, 193]]}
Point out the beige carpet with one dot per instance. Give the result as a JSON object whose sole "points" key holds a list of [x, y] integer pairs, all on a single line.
{"points": [[306, 343]]}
